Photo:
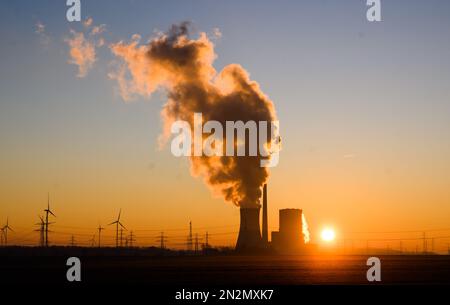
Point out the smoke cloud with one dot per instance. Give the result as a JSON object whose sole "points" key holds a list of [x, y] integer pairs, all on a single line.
{"points": [[305, 229], [82, 53], [183, 67], [83, 46], [40, 31]]}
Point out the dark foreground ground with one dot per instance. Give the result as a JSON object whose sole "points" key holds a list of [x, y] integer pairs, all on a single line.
{"points": [[28, 267]]}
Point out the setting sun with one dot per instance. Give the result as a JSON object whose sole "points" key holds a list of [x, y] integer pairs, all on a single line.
{"points": [[328, 235]]}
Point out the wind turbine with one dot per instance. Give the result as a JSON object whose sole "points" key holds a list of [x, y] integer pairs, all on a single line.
{"points": [[47, 211], [100, 229], [1, 236], [41, 230], [117, 223], [5, 231]]}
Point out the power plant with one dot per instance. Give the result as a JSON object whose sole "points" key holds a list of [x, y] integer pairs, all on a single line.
{"points": [[288, 239], [249, 238]]}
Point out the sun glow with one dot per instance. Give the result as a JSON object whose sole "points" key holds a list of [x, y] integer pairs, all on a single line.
{"points": [[328, 235]]}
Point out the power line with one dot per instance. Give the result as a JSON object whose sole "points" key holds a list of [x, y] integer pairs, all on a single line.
{"points": [[162, 241], [131, 239], [196, 242], [395, 232], [189, 238]]}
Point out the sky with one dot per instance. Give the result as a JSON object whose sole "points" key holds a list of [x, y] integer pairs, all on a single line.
{"points": [[364, 111]]}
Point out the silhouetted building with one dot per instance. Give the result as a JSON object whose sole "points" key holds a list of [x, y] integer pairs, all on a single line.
{"points": [[249, 238], [290, 236]]}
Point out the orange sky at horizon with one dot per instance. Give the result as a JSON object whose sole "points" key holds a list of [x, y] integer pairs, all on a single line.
{"points": [[88, 194]]}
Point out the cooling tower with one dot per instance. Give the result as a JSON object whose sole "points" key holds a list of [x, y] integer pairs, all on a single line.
{"points": [[291, 222], [290, 235], [249, 238]]}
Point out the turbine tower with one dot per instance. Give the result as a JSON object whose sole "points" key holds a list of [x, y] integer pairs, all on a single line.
{"points": [[100, 229], [117, 223], [121, 235], [41, 231], [5, 231], [47, 211]]}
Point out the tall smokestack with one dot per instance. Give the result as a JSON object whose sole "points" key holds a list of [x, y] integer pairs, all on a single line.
{"points": [[265, 229], [249, 232]]}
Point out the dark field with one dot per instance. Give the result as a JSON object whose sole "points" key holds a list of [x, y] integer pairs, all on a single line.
{"points": [[226, 269]]}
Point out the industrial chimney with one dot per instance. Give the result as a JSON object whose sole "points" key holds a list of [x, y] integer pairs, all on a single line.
{"points": [[249, 238], [265, 228]]}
